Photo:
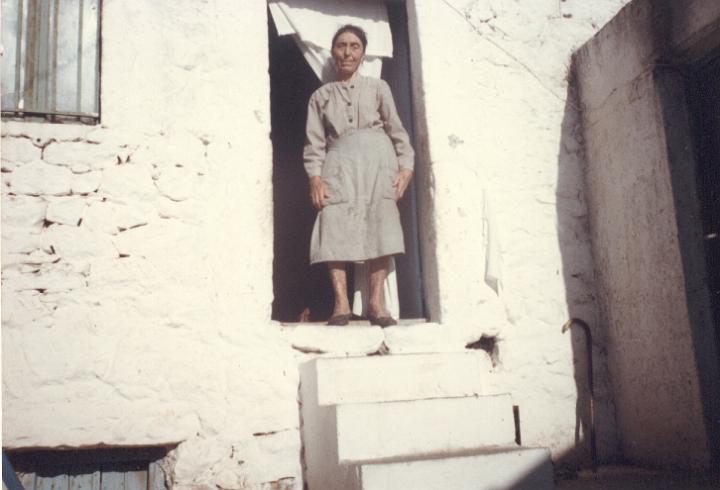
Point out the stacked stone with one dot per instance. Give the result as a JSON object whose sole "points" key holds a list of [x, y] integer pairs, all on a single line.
{"points": [[73, 197]]}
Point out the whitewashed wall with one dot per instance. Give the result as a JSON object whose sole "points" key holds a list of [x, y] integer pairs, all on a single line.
{"points": [[137, 255], [492, 76]]}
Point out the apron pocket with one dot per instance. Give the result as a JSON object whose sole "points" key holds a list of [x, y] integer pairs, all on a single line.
{"points": [[335, 189], [387, 188]]}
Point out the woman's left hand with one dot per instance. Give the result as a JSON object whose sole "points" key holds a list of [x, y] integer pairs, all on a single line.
{"points": [[402, 180]]}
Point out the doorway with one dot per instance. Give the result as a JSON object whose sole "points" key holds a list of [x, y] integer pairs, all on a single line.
{"points": [[298, 287], [701, 232], [704, 98]]}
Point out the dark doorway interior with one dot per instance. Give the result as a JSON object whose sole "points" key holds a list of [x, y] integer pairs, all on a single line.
{"points": [[396, 71], [705, 109], [296, 284], [703, 94]]}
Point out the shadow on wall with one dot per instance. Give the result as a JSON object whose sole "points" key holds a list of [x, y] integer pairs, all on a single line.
{"points": [[581, 296], [530, 479]]}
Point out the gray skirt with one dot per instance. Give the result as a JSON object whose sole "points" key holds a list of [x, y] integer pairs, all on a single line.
{"points": [[360, 220]]}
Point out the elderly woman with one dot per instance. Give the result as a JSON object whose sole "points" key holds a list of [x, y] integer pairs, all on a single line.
{"points": [[359, 160]]}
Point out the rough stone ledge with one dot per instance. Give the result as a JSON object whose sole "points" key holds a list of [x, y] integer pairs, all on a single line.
{"points": [[422, 338], [323, 339], [359, 338], [41, 134]]}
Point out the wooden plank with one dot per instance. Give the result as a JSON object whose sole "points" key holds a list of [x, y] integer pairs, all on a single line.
{"points": [[81, 482], [42, 81], [136, 480], [112, 480], [91, 49], [84, 477], [18, 55], [30, 50], [124, 476], [27, 480], [51, 482], [156, 477], [79, 58]]}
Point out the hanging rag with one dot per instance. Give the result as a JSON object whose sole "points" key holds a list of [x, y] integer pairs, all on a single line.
{"points": [[491, 238], [361, 286], [312, 24]]}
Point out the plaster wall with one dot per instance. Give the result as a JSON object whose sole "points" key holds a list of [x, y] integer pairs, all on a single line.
{"points": [[137, 254], [500, 122], [635, 234]]}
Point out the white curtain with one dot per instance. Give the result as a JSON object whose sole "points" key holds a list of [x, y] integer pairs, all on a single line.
{"points": [[491, 238], [312, 23]]}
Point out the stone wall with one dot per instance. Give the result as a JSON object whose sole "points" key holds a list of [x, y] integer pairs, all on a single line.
{"points": [[655, 349], [137, 254]]}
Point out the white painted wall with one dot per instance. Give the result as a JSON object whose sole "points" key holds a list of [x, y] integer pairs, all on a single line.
{"points": [[491, 78], [172, 343]]}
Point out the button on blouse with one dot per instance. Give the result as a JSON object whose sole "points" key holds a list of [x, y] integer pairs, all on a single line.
{"points": [[337, 108]]}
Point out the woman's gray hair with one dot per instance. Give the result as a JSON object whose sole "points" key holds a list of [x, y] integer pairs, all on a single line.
{"points": [[358, 31]]}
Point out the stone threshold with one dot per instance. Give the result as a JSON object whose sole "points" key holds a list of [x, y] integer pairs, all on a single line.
{"points": [[359, 338], [357, 322]]}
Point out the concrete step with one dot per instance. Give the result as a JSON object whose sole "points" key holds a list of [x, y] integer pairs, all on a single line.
{"points": [[396, 406], [516, 469], [354, 339], [369, 431], [399, 377]]}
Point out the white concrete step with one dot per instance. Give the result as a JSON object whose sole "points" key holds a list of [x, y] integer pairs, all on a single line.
{"points": [[513, 469], [368, 431], [399, 377], [360, 409]]}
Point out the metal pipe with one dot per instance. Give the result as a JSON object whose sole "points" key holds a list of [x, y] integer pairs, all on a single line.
{"points": [[588, 346], [81, 13], [18, 53]]}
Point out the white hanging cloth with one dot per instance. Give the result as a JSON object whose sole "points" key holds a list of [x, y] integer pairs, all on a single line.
{"points": [[361, 285], [493, 254], [312, 23]]}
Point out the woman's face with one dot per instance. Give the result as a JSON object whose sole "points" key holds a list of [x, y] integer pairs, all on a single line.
{"points": [[348, 52]]}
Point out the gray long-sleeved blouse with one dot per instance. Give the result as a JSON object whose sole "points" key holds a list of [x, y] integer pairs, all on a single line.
{"points": [[339, 107]]}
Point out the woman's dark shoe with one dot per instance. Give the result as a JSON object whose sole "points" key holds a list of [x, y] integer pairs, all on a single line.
{"points": [[382, 321], [339, 320]]}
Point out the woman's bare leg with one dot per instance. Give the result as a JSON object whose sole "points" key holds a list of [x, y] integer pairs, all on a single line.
{"points": [[378, 273], [338, 277]]}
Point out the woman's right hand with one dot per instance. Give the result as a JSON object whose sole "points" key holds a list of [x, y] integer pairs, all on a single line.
{"points": [[318, 192]]}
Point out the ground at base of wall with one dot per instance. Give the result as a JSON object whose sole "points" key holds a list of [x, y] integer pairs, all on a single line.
{"points": [[631, 478]]}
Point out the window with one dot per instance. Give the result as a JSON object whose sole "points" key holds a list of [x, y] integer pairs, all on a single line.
{"points": [[91, 469], [51, 63]]}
